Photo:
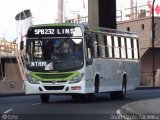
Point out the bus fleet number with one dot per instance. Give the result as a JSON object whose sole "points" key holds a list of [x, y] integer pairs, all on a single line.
{"points": [[44, 31]]}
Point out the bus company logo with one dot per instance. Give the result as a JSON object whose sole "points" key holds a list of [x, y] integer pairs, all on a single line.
{"points": [[4, 116], [53, 82]]}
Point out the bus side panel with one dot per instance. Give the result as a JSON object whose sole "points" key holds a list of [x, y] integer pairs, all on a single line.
{"points": [[132, 69], [89, 79], [111, 72], [108, 72]]}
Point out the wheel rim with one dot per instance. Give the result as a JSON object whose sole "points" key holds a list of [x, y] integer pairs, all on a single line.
{"points": [[124, 89]]}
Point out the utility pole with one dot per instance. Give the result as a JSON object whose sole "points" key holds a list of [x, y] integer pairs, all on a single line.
{"points": [[153, 47]]}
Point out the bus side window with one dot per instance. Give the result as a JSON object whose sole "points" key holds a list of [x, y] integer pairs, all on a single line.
{"points": [[95, 45], [132, 48], [88, 45], [101, 46], [116, 47], [106, 46], [119, 44], [129, 48], [123, 48], [135, 48], [109, 43]]}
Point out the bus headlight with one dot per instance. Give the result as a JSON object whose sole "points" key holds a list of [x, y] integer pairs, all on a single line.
{"points": [[77, 79], [32, 80]]}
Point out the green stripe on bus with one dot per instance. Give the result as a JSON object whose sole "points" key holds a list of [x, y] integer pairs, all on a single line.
{"points": [[54, 76]]}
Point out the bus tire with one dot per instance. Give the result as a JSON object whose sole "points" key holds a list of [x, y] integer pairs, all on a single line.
{"points": [[75, 97], [91, 97], [120, 94], [44, 98], [79, 97]]}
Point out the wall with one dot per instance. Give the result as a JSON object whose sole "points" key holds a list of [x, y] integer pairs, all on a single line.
{"points": [[102, 13], [12, 83], [143, 27]]}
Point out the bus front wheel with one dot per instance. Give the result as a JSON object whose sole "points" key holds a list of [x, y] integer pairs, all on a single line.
{"points": [[44, 98]]}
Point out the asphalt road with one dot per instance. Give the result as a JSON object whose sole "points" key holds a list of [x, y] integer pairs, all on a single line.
{"points": [[64, 108]]}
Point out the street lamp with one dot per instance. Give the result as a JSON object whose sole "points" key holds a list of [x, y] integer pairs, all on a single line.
{"points": [[153, 47]]}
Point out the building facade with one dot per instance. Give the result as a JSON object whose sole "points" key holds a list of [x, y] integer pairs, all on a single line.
{"points": [[143, 27]]}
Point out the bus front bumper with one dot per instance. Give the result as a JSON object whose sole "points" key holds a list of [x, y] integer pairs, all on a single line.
{"points": [[54, 88]]}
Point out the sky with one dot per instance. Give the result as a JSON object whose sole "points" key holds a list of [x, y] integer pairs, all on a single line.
{"points": [[10, 8], [43, 11]]}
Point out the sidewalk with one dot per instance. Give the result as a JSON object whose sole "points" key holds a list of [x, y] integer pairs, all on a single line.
{"points": [[145, 107], [17, 93]]}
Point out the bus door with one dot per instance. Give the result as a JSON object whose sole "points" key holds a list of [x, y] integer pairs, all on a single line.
{"points": [[89, 61]]}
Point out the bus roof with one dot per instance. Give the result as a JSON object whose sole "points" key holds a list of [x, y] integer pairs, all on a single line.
{"points": [[56, 24], [109, 30]]}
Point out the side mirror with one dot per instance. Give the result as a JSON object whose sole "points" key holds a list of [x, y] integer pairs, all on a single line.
{"points": [[21, 45], [89, 61]]}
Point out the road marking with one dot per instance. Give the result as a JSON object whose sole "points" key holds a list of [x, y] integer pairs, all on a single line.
{"points": [[118, 112], [9, 110], [122, 116], [36, 104]]}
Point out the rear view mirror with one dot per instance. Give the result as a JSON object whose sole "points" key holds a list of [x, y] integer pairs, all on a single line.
{"points": [[89, 61]]}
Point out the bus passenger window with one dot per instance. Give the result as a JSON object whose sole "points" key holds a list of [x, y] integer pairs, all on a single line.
{"points": [[123, 48], [135, 48], [101, 46], [129, 48], [95, 45], [106, 46], [116, 47], [109, 43], [88, 45]]}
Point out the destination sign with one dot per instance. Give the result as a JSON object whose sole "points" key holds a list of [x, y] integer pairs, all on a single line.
{"points": [[55, 32]]}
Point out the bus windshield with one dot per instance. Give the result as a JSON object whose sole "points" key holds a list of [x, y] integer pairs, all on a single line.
{"points": [[60, 54]]}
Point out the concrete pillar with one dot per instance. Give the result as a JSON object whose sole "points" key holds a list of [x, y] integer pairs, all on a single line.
{"points": [[102, 13], [93, 13]]}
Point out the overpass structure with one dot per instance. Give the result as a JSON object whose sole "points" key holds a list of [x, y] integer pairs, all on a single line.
{"points": [[102, 13]]}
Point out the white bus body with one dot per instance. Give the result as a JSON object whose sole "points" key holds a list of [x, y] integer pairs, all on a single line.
{"points": [[111, 64]]}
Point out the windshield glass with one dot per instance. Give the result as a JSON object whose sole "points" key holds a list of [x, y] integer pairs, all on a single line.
{"points": [[54, 55]]}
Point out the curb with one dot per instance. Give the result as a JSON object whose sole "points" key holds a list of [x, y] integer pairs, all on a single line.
{"points": [[147, 88], [8, 94], [141, 110], [128, 111]]}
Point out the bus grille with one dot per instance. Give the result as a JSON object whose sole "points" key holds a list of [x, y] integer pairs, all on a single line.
{"points": [[64, 81], [54, 87], [54, 76]]}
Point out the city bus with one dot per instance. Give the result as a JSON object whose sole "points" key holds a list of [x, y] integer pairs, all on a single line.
{"points": [[81, 61]]}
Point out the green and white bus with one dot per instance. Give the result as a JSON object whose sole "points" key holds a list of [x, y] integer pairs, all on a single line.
{"points": [[81, 61]]}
